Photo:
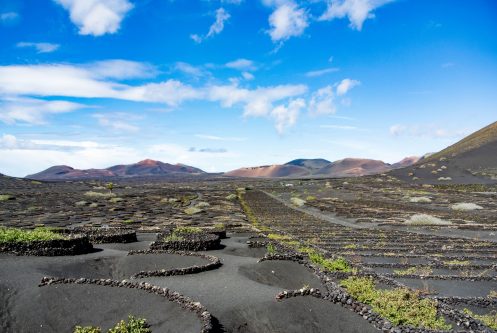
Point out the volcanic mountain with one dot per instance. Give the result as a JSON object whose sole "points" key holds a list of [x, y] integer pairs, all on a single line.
{"points": [[348, 167], [471, 160], [141, 169]]}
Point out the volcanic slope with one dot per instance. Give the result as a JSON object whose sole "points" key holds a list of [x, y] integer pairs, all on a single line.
{"points": [[471, 160]]}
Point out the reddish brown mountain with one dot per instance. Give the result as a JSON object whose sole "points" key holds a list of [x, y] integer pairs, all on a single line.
{"points": [[348, 167], [141, 169]]}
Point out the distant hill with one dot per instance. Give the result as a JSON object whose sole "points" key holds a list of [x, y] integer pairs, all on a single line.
{"points": [[141, 169], [348, 167], [314, 163], [471, 160]]}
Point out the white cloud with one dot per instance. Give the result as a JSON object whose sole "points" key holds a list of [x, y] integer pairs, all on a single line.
{"points": [[221, 16], [191, 70], [322, 102], [8, 16], [248, 76], [242, 65], [96, 17], [216, 28], [286, 116], [196, 38], [117, 121], [426, 131], [340, 127], [357, 11], [218, 138], [40, 47], [33, 111], [322, 72], [288, 20], [120, 69], [345, 85]]}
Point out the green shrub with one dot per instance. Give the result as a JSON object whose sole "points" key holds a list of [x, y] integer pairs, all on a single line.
{"points": [[5, 197], [310, 198], [87, 329], [333, 265], [400, 305], [231, 197], [173, 238], [187, 230], [115, 200], [271, 249], [22, 235], [219, 226], [93, 194], [134, 325], [489, 319], [192, 210]]}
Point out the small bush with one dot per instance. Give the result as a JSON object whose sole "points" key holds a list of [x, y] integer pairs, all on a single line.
{"points": [[271, 249], [173, 238], [465, 206], [457, 262], [87, 329], [133, 325], [5, 197], [219, 226], [492, 294], [231, 197], [400, 306], [115, 200], [420, 200], [187, 230], [424, 219], [490, 319], [297, 202], [93, 194], [202, 204], [310, 198], [81, 203], [278, 237], [21, 235], [192, 210], [339, 264]]}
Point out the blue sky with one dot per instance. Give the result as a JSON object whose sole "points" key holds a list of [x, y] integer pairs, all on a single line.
{"points": [[221, 84]]}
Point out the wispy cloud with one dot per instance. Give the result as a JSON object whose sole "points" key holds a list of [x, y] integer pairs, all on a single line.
{"points": [[357, 11], [322, 72], [7, 17], [31, 110], [345, 85], [96, 17], [117, 121], [219, 138], [216, 28], [40, 47], [426, 130], [242, 64], [340, 127]]}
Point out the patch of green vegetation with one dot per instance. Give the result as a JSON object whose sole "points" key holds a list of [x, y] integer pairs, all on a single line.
{"points": [[489, 319], [87, 329], [192, 210], [187, 230], [219, 226], [271, 249], [278, 237], [492, 294], [333, 265], [400, 305], [35, 182], [133, 325], [202, 204], [350, 246], [115, 200], [310, 198], [81, 203], [21, 235], [93, 194], [414, 271], [231, 197], [5, 197], [305, 249], [173, 238], [457, 262], [130, 221]]}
